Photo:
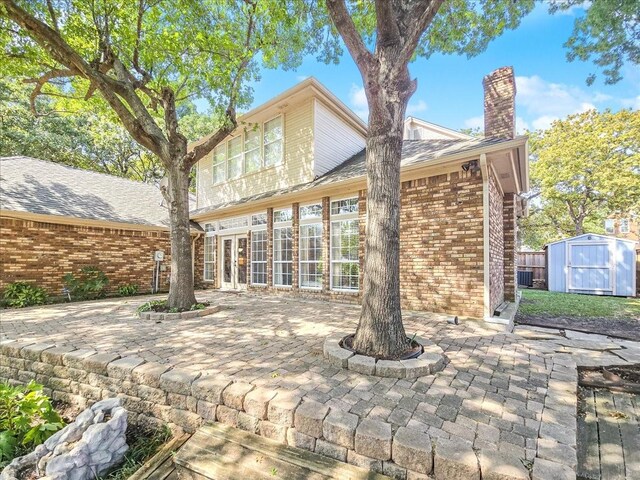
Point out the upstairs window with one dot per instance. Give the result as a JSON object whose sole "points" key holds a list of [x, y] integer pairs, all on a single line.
{"points": [[252, 153], [608, 225], [219, 164], [235, 157], [273, 142], [624, 225]]}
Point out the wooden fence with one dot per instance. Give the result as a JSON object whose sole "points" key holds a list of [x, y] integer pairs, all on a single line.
{"points": [[534, 262]]}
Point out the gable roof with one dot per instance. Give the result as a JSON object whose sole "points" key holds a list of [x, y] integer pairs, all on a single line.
{"points": [[415, 153], [437, 129], [33, 186]]}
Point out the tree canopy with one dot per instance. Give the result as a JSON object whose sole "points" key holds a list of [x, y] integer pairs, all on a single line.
{"points": [[608, 32], [584, 168]]}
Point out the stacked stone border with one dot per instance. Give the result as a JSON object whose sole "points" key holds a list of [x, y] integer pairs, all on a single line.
{"points": [[179, 316], [431, 361], [155, 394]]}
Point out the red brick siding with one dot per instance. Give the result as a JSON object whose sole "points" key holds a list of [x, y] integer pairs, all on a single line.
{"points": [[499, 103], [441, 244], [42, 253], [496, 244], [510, 246]]}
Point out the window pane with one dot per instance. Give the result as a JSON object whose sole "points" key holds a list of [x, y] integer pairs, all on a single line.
{"points": [[311, 255], [345, 265], [282, 256], [273, 130], [259, 219], [273, 154], [219, 164], [235, 157], [252, 139], [341, 207], [285, 215], [311, 211], [252, 154], [259, 257]]}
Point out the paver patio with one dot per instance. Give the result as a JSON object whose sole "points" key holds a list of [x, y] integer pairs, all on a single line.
{"points": [[512, 392]]}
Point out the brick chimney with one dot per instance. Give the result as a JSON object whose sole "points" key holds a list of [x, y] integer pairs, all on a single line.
{"points": [[500, 103]]}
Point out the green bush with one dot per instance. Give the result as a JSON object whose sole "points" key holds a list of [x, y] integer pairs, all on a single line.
{"points": [[22, 294], [27, 419], [89, 285], [152, 305], [128, 289]]}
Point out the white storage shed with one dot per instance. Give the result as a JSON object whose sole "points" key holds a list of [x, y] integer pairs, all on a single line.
{"points": [[592, 264]]}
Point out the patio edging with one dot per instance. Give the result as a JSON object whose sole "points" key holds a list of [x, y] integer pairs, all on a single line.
{"points": [[154, 393]]}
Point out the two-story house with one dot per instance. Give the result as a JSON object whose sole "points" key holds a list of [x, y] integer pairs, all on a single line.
{"points": [[282, 203]]}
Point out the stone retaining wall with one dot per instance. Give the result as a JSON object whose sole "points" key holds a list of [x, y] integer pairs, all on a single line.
{"points": [[154, 394]]}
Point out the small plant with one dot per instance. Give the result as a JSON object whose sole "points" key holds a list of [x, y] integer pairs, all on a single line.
{"points": [[128, 289], [90, 284], [198, 306], [23, 294], [27, 419], [151, 305]]}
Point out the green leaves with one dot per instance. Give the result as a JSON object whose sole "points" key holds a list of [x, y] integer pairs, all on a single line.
{"points": [[91, 283], [27, 419], [22, 294]]}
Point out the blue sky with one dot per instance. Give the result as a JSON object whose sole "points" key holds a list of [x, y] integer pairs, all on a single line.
{"points": [[450, 87]]}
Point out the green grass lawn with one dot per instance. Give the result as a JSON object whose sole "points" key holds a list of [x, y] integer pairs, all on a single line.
{"points": [[554, 304]]}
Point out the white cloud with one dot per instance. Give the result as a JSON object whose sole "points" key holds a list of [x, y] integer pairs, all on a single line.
{"points": [[633, 103], [543, 101], [414, 108], [474, 122], [358, 101]]}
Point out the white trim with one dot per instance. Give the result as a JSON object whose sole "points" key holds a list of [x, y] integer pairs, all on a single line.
{"points": [[618, 239], [485, 236]]}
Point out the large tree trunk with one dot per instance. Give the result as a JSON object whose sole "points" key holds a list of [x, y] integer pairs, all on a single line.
{"points": [[181, 294], [380, 332]]}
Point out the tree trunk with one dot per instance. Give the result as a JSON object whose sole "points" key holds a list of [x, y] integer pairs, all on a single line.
{"points": [[181, 294], [380, 332]]}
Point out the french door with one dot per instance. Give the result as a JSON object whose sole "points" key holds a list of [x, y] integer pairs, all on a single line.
{"points": [[233, 262]]}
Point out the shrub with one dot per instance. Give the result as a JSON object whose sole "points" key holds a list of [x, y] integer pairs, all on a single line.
{"points": [[152, 305], [27, 419], [128, 289], [22, 294], [90, 284]]}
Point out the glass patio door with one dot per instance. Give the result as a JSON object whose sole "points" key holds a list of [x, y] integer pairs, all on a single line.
{"points": [[234, 262]]}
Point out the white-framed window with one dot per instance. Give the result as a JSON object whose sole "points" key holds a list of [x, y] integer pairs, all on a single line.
{"points": [[234, 155], [209, 252], [624, 225], [282, 248], [259, 257], [310, 246], [220, 163], [235, 222], [345, 242], [608, 225], [252, 151], [273, 135], [258, 219]]}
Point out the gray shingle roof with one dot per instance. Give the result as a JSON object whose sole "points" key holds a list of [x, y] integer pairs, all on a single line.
{"points": [[42, 187], [414, 152]]}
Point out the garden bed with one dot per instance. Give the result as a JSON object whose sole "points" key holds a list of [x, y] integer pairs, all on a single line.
{"points": [[158, 310]]}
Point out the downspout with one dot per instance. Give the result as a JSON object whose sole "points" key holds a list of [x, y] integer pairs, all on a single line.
{"points": [[484, 169]]}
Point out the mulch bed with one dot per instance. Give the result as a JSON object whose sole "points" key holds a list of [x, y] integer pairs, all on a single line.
{"points": [[626, 328]]}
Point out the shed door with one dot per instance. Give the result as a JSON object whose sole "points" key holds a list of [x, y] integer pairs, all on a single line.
{"points": [[590, 268]]}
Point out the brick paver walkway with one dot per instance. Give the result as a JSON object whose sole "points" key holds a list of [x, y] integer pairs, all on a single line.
{"points": [[495, 392]]}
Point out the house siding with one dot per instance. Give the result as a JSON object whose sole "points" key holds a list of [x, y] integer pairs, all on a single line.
{"points": [[296, 168], [42, 253], [441, 246], [334, 139], [496, 244]]}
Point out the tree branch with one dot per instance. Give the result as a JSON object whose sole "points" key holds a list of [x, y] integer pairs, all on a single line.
{"points": [[420, 17], [352, 39], [40, 82]]}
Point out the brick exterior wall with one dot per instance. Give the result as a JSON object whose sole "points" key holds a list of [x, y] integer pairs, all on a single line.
{"points": [[510, 228], [441, 244], [42, 253], [496, 245], [500, 103]]}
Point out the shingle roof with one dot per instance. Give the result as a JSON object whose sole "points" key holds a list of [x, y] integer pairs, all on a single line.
{"points": [[414, 152], [42, 187]]}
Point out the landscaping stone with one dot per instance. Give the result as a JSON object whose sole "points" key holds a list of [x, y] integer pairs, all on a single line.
{"points": [[256, 402], [226, 415], [300, 440], [331, 450], [178, 380], [98, 363], [206, 410], [362, 364], [337, 356], [309, 416], [435, 360], [149, 373], [34, 352], [85, 448], [363, 461], [53, 356], [416, 367], [497, 465], [187, 420], [548, 470], [373, 439], [248, 423], [282, 407], [210, 388], [390, 368], [273, 431], [123, 367], [233, 395], [339, 427], [454, 461], [75, 358], [394, 471], [412, 449]]}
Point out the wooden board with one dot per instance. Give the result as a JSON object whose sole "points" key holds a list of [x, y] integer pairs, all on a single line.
{"points": [[611, 453], [629, 432], [219, 452], [588, 449], [160, 466]]}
